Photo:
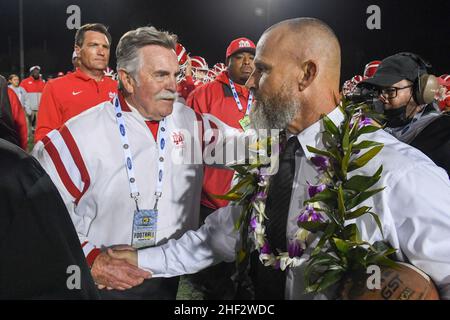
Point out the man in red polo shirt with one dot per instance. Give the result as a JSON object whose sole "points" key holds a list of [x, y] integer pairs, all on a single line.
{"points": [[227, 99], [68, 96]]}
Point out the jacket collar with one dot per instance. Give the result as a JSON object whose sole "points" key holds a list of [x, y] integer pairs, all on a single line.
{"points": [[125, 106]]}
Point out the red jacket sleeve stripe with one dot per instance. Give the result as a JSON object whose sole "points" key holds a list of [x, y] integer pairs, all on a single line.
{"points": [[76, 156], [62, 172]]}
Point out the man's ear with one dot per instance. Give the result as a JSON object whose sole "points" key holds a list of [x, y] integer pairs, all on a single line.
{"points": [[309, 71], [77, 50], [126, 81]]}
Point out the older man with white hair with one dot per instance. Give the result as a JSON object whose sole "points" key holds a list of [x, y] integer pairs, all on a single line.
{"points": [[118, 169]]}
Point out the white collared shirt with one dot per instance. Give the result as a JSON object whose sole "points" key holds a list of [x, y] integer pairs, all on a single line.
{"points": [[414, 210]]}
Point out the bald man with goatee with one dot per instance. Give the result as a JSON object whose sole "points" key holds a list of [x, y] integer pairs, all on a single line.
{"points": [[295, 82]]}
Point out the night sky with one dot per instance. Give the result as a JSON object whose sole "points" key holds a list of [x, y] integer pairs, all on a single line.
{"points": [[206, 27]]}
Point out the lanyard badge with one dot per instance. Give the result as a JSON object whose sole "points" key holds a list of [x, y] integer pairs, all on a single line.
{"points": [[144, 228], [144, 220], [245, 121]]}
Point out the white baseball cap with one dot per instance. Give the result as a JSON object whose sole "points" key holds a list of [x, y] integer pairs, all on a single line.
{"points": [[35, 67]]}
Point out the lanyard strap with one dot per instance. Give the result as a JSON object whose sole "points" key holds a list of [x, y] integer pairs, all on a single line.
{"points": [[134, 191], [238, 102], [161, 142]]}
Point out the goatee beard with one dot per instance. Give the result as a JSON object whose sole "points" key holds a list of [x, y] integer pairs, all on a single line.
{"points": [[275, 112]]}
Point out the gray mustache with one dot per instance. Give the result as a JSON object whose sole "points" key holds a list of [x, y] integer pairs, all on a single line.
{"points": [[166, 95]]}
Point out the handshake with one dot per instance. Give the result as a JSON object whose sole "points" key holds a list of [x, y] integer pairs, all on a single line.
{"points": [[117, 268]]}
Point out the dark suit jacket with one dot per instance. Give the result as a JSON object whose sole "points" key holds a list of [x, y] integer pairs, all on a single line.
{"points": [[39, 247]]}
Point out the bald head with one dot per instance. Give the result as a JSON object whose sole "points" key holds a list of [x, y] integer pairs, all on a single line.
{"points": [[296, 77], [308, 39]]}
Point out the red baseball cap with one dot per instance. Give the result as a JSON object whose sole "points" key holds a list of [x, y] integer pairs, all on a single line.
{"points": [[371, 68], [240, 45]]}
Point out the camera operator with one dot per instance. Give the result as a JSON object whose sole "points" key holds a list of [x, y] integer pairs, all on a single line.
{"points": [[407, 93]]}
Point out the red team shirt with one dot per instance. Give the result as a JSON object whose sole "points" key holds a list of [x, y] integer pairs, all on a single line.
{"points": [[68, 96], [30, 85]]}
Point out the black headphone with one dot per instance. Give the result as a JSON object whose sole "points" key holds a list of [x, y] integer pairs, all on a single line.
{"points": [[425, 85]]}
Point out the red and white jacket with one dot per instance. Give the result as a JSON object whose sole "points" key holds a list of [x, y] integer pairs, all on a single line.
{"points": [[84, 158]]}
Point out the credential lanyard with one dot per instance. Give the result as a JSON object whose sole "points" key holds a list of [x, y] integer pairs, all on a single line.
{"points": [[134, 191], [238, 102]]}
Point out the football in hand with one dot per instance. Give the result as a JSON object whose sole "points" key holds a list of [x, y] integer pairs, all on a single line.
{"points": [[404, 282]]}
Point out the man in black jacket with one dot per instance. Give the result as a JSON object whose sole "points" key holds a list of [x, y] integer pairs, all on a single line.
{"points": [[41, 254], [412, 115]]}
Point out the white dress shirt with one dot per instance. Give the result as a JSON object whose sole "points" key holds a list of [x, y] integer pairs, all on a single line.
{"points": [[414, 210]]}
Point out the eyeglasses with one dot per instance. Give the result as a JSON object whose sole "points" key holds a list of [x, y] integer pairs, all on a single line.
{"points": [[391, 92]]}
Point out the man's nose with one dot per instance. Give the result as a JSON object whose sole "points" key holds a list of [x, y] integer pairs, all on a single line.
{"points": [[171, 84], [101, 51]]}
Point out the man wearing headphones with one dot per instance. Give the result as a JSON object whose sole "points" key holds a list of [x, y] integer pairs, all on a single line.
{"points": [[407, 92]]}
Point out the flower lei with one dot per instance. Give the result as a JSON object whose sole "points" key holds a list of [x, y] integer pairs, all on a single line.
{"points": [[297, 245], [340, 249]]}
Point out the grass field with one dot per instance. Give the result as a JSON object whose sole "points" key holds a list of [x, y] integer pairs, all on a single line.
{"points": [[187, 292]]}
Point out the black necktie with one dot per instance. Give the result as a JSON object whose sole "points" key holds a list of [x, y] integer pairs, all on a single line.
{"points": [[268, 282], [279, 197]]}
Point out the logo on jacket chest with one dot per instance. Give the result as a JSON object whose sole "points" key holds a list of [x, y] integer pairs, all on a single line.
{"points": [[178, 139]]}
